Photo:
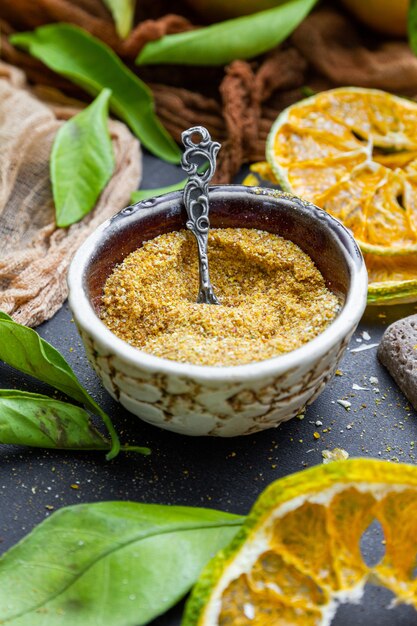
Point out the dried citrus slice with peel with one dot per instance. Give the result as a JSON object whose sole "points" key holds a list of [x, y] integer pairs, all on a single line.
{"points": [[353, 152], [392, 279], [298, 555]]}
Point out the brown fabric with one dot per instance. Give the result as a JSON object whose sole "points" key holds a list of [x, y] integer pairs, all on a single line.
{"points": [[34, 253], [150, 30], [335, 48], [243, 91]]}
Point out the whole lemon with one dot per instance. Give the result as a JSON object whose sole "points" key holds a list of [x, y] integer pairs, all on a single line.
{"points": [[386, 16]]}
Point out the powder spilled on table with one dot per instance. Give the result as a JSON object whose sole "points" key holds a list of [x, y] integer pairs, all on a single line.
{"points": [[273, 298]]}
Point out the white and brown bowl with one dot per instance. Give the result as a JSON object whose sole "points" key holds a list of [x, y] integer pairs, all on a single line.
{"points": [[207, 400]]}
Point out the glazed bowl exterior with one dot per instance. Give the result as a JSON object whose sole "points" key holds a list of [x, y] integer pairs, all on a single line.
{"points": [[207, 400]]}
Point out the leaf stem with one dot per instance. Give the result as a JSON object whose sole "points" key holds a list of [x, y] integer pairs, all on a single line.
{"points": [[140, 449], [115, 441]]}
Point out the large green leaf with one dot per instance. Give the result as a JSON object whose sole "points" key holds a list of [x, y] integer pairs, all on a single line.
{"points": [[24, 349], [30, 419], [123, 12], [88, 62], [109, 563], [240, 38], [82, 161]]}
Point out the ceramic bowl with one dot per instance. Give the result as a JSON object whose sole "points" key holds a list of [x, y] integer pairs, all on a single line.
{"points": [[207, 400]]}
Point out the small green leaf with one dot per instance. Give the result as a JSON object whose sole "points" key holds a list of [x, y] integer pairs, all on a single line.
{"points": [[118, 563], [82, 161], [412, 25], [30, 419], [240, 38], [145, 194], [123, 12], [88, 62], [25, 350]]}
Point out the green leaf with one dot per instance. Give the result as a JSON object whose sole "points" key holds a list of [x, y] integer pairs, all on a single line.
{"points": [[82, 161], [25, 350], [30, 419], [22, 348], [88, 62], [240, 38], [144, 194], [123, 13], [412, 25], [118, 563]]}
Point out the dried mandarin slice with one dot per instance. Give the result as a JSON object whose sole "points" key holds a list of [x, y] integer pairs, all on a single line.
{"points": [[392, 279], [298, 555], [346, 123], [353, 152]]}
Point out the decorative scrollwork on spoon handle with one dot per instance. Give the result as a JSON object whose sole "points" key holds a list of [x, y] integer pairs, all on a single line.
{"points": [[196, 200]]}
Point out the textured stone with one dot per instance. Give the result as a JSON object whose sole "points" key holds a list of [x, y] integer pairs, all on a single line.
{"points": [[398, 352]]}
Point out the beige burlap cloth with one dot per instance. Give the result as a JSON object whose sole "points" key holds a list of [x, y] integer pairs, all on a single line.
{"points": [[34, 253]]}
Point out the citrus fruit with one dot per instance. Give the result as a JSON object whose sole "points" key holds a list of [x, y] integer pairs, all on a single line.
{"points": [[386, 16], [353, 152], [298, 556], [392, 279]]}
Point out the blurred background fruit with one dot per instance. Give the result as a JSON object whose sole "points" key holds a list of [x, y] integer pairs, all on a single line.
{"points": [[386, 16], [300, 549], [217, 10]]}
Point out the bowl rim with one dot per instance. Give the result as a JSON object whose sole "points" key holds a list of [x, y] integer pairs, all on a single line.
{"points": [[346, 320]]}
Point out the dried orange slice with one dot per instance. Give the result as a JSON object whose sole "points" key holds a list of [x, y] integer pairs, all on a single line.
{"points": [[298, 555], [353, 152], [392, 279]]}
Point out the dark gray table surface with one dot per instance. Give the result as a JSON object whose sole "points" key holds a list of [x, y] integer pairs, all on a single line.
{"points": [[221, 473]]}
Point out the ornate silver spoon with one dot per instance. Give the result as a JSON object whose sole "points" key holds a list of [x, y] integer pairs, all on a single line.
{"points": [[196, 200]]}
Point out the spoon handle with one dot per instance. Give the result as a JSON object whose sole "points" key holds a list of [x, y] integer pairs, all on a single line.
{"points": [[196, 199]]}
